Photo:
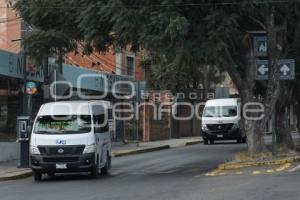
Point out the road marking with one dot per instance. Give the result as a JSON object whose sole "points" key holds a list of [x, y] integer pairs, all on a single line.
{"points": [[213, 173], [295, 168], [270, 171], [197, 176], [283, 167], [167, 172], [256, 172]]}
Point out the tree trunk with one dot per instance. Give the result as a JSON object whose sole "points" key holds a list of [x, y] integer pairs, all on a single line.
{"points": [[254, 129], [284, 137], [297, 111], [255, 140]]}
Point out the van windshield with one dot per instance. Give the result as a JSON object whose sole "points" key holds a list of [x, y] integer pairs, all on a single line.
{"points": [[63, 124], [220, 111]]}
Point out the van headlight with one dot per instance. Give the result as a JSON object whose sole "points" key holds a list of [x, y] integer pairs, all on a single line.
{"points": [[204, 127], [90, 149], [34, 150]]}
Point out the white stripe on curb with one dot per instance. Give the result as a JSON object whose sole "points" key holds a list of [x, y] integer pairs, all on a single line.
{"points": [[295, 168]]}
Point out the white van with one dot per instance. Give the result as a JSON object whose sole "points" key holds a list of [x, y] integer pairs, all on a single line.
{"points": [[221, 120], [71, 136]]}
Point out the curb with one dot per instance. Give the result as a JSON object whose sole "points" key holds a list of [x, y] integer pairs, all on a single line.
{"points": [[193, 142], [297, 158], [139, 151], [239, 165], [16, 175]]}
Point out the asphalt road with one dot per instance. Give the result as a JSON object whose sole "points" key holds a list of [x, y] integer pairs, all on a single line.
{"points": [[169, 174]]}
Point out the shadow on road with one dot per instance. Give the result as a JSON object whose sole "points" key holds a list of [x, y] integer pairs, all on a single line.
{"points": [[75, 177]]}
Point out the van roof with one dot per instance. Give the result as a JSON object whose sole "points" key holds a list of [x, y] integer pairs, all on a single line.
{"points": [[222, 102], [79, 107]]}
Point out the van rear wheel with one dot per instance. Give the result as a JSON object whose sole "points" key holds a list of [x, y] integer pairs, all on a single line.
{"points": [[37, 176]]}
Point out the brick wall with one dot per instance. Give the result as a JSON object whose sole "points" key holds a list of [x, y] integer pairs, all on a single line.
{"points": [[10, 28]]}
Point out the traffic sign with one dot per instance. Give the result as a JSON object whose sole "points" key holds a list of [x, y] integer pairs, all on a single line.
{"points": [[260, 46], [262, 69], [286, 69]]}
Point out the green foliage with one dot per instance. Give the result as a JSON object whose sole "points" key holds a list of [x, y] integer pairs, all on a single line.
{"points": [[55, 30], [181, 35]]}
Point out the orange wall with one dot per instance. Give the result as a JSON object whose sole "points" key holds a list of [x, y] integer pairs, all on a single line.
{"points": [[97, 61], [106, 61], [10, 28]]}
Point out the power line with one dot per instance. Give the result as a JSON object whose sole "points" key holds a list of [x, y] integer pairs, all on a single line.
{"points": [[109, 62]]}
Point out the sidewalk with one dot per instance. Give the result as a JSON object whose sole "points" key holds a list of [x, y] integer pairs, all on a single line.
{"points": [[120, 149], [9, 170]]}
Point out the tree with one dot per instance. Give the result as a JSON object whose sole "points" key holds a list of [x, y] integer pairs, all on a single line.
{"points": [[54, 32], [179, 77], [194, 34], [204, 35]]}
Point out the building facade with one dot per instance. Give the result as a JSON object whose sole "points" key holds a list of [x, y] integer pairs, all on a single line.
{"points": [[121, 64]]}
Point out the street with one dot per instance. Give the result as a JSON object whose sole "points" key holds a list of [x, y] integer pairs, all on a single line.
{"points": [[177, 173]]}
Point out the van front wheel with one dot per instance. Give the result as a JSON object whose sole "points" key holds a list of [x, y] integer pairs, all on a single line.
{"points": [[105, 169], [95, 169]]}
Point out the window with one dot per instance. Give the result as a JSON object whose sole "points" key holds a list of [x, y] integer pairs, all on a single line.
{"points": [[130, 65], [63, 124], [220, 111], [101, 123]]}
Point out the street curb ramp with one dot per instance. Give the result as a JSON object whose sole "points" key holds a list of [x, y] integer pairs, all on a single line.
{"points": [[139, 151], [16, 175]]}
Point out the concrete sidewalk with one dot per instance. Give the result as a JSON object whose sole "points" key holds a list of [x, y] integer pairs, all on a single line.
{"points": [[120, 149], [9, 170]]}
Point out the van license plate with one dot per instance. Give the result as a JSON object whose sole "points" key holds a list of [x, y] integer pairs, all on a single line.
{"points": [[219, 136], [61, 166]]}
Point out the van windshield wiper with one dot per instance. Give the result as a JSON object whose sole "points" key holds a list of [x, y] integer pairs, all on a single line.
{"points": [[73, 132], [44, 132]]}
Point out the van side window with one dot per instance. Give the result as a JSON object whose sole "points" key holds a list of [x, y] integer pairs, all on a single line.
{"points": [[110, 115], [100, 124]]}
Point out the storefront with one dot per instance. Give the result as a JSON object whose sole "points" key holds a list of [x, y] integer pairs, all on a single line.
{"points": [[14, 101], [12, 98]]}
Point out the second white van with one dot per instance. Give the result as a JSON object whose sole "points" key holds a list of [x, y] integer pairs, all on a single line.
{"points": [[221, 120]]}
